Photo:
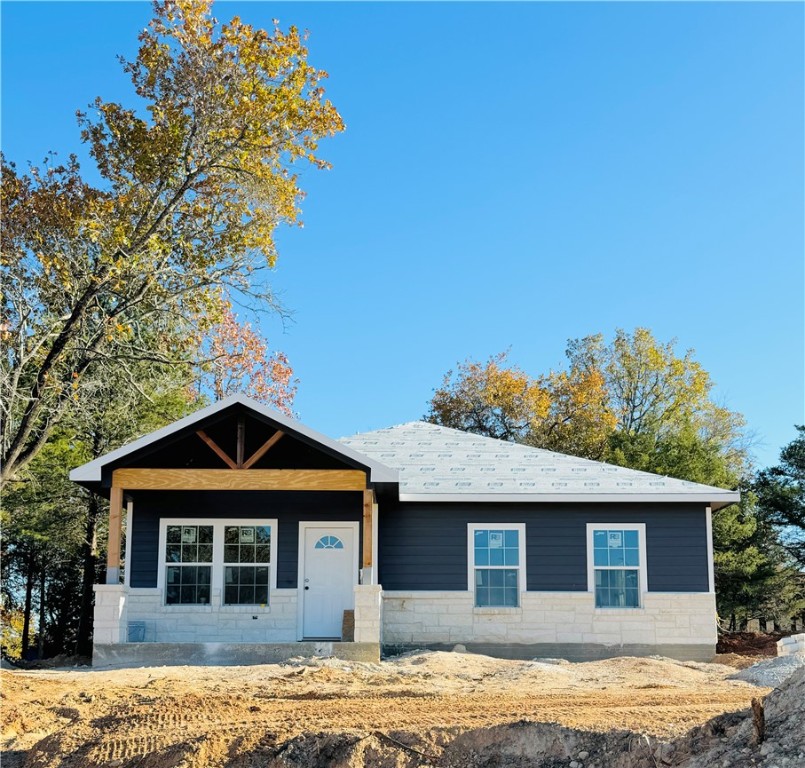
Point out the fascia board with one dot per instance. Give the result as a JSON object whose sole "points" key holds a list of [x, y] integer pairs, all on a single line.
{"points": [[717, 500]]}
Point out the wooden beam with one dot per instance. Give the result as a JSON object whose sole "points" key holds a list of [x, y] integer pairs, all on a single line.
{"points": [[220, 452], [240, 480], [241, 445], [115, 528], [368, 502], [263, 449]]}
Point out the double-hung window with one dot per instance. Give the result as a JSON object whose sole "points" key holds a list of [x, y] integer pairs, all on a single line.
{"points": [[616, 560], [247, 560], [221, 562], [188, 564], [496, 556]]}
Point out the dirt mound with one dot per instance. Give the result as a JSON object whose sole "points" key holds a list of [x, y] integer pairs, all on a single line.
{"points": [[418, 709]]}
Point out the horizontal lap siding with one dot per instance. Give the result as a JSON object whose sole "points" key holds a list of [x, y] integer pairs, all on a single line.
{"points": [[423, 546], [287, 507]]}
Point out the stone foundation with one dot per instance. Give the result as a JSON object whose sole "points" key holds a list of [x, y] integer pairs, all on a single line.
{"points": [[555, 621], [214, 623], [224, 654]]}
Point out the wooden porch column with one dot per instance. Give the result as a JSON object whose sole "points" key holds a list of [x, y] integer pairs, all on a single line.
{"points": [[368, 502], [115, 526]]}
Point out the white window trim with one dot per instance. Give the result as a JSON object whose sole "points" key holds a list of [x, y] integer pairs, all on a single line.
{"points": [[711, 575], [217, 575], [129, 539], [521, 578], [642, 567]]}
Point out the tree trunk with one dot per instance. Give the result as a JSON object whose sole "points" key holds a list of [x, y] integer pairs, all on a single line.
{"points": [[41, 644], [29, 591], [90, 560]]}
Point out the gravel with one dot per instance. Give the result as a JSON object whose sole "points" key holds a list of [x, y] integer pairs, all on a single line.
{"points": [[771, 673]]}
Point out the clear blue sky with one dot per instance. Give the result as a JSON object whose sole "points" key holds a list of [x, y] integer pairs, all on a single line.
{"points": [[512, 175]]}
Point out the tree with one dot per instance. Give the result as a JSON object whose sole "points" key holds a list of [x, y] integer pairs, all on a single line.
{"points": [[489, 399], [754, 577], [781, 496], [238, 360], [193, 192], [633, 402], [665, 418]]}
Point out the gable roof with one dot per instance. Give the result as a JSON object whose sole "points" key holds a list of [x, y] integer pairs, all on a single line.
{"points": [[91, 472], [441, 464]]}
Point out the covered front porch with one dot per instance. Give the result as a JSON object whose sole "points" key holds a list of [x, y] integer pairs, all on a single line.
{"points": [[247, 552]]}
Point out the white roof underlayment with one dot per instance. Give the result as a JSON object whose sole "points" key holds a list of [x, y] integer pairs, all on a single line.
{"points": [[435, 463], [441, 464]]}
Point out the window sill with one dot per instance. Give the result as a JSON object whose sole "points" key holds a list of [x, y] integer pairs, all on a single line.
{"points": [[245, 608], [496, 610], [187, 608], [625, 611]]}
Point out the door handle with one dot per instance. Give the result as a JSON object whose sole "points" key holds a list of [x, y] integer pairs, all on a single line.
{"points": [[307, 587]]}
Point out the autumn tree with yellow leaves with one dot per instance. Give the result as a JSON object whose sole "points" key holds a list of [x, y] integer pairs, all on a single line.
{"points": [[194, 186], [634, 401]]}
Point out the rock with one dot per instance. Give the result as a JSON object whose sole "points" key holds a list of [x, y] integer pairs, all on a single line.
{"points": [[574, 764], [665, 753], [459, 648], [583, 755]]}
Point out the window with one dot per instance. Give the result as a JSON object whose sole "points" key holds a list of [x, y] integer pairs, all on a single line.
{"points": [[187, 578], [218, 562], [496, 554], [247, 558], [616, 558], [329, 542]]}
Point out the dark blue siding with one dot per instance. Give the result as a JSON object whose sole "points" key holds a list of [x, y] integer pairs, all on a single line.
{"points": [[424, 545], [287, 507]]}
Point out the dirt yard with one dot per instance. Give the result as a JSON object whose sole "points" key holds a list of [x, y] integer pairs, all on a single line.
{"points": [[167, 717]]}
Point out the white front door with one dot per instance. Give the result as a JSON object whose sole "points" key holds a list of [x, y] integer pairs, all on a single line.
{"points": [[328, 572]]}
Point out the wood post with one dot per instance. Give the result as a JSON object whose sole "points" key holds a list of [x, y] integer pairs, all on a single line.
{"points": [[241, 447], [115, 528], [368, 503]]}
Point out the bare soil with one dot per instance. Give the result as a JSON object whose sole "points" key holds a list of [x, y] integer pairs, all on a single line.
{"points": [[750, 643], [401, 712]]}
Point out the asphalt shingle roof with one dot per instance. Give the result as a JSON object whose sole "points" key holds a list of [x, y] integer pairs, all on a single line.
{"points": [[439, 462]]}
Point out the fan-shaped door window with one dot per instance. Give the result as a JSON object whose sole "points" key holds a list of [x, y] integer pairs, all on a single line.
{"points": [[329, 542]]}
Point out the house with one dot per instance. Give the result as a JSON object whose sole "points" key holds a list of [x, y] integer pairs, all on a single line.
{"points": [[249, 538]]}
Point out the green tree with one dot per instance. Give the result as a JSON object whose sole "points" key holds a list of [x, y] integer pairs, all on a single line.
{"points": [[781, 496], [754, 576], [194, 186]]}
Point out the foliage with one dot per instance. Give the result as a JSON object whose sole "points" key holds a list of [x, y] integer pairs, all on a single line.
{"points": [[194, 188], [781, 493], [239, 361], [633, 402], [11, 621], [489, 399]]}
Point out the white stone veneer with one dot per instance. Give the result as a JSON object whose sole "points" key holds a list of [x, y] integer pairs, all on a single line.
{"points": [[679, 618], [368, 613], [214, 623]]}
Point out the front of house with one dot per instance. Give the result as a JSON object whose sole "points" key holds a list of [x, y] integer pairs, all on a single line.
{"points": [[249, 537]]}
